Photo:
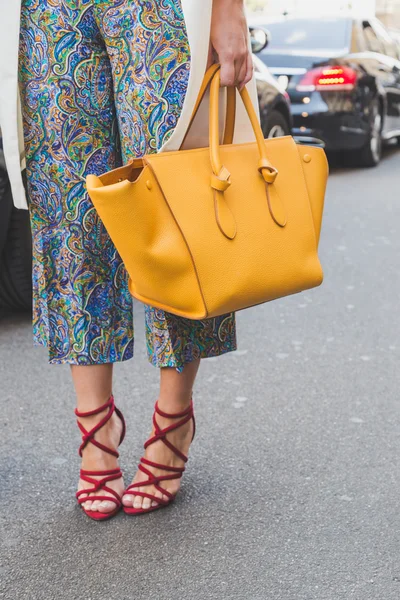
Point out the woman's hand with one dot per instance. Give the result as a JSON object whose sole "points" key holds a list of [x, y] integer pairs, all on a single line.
{"points": [[229, 42]]}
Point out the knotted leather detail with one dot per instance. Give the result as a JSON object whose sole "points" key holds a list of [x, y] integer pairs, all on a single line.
{"points": [[268, 172], [222, 181]]}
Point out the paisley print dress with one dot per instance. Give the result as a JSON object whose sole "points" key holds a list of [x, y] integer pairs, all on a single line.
{"points": [[101, 81]]}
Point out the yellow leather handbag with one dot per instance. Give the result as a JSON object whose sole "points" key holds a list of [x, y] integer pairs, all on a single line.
{"points": [[210, 231]]}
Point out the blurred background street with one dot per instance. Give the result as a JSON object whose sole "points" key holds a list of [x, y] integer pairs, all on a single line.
{"points": [[293, 484]]}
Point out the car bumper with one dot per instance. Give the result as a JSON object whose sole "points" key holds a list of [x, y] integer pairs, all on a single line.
{"points": [[340, 129], [309, 141]]}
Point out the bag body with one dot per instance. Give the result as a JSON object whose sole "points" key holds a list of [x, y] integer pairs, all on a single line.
{"points": [[210, 231]]}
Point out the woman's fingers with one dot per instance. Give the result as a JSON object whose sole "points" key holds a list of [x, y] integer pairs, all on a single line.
{"points": [[233, 67], [249, 72], [241, 75], [228, 73], [237, 71]]}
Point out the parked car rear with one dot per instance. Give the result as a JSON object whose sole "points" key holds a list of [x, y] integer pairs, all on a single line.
{"points": [[343, 78]]}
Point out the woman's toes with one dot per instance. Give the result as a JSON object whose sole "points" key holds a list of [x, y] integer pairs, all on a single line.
{"points": [[146, 503], [127, 500], [88, 505], [95, 505], [106, 507], [137, 503]]}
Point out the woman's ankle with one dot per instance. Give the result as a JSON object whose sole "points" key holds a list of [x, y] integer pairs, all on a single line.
{"points": [[174, 404], [94, 458], [108, 435]]}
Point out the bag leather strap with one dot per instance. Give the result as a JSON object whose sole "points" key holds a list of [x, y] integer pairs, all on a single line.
{"points": [[266, 169], [221, 177], [230, 106]]}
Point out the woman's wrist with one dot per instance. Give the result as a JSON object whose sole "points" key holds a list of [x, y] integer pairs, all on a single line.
{"points": [[230, 2]]}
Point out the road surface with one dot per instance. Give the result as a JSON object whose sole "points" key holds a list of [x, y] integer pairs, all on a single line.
{"points": [[293, 485]]}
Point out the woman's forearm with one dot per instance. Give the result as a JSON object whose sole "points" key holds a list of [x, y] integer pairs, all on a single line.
{"points": [[229, 42]]}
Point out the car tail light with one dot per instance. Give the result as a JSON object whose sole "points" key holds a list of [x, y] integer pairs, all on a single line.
{"points": [[329, 78]]}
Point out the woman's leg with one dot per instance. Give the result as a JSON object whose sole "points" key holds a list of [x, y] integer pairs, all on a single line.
{"points": [[176, 345], [175, 396], [82, 307], [93, 386]]}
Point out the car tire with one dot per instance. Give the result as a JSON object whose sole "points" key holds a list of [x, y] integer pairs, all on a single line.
{"points": [[275, 125], [16, 264], [370, 154]]}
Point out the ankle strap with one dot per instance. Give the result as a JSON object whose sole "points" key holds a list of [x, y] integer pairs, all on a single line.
{"points": [[88, 435], [188, 411], [96, 411], [161, 434]]}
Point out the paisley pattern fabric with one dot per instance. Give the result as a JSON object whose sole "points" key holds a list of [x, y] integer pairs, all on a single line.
{"points": [[101, 81]]}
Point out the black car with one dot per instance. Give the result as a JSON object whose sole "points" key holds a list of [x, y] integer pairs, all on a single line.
{"points": [[275, 115], [343, 78]]}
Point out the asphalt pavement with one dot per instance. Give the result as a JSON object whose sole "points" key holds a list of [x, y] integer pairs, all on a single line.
{"points": [[293, 485]]}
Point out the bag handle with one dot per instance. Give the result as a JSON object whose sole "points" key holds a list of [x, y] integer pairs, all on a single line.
{"points": [[268, 172], [230, 106], [221, 177]]}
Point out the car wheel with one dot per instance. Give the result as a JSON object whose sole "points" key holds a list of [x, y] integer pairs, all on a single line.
{"points": [[370, 154], [275, 125], [16, 264]]}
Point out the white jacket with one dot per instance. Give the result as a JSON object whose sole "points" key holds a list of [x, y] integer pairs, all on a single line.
{"points": [[197, 15]]}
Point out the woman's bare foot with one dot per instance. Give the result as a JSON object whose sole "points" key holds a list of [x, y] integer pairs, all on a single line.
{"points": [[94, 459], [158, 452]]}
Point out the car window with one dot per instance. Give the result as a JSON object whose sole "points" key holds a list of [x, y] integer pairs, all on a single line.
{"points": [[373, 43], [388, 43], [309, 34]]}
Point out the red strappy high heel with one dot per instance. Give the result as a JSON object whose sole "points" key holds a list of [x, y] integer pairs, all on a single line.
{"points": [[100, 485], [174, 472]]}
